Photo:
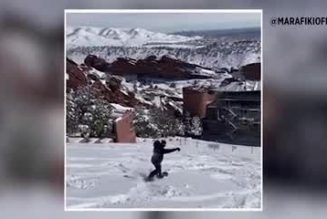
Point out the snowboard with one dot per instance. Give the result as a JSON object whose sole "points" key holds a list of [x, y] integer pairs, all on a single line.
{"points": [[145, 176], [164, 174], [147, 179]]}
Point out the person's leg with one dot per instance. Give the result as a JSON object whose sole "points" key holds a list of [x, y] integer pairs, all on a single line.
{"points": [[159, 174], [156, 171], [152, 174]]}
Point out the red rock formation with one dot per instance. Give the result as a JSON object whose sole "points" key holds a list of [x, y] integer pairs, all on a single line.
{"points": [[97, 63], [79, 76], [114, 82], [115, 96], [76, 77], [252, 71], [165, 67]]}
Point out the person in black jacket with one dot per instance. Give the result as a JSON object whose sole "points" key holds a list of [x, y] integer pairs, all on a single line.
{"points": [[157, 157]]}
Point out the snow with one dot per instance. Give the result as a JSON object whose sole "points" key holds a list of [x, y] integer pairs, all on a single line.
{"points": [[118, 111], [175, 46], [100, 74], [142, 100], [157, 101], [161, 92], [202, 175], [206, 72], [120, 108], [137, 43], [217, 55], [175, 106], [104, 36]]}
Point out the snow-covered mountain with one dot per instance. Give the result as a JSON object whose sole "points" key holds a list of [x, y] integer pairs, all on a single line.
{"points": [[113, 43], [99, 36], [210, 56]]}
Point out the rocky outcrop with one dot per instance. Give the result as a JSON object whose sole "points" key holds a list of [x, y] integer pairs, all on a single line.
{"points": [[97, 63], [227, 81], [151, 66], [115, 96], [213, 53], [79, 76], [76, 76], [113, 82]]}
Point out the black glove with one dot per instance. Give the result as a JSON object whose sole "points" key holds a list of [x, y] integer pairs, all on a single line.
{"points": [[178, 149]]}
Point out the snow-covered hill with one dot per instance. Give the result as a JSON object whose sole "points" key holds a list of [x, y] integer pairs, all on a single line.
{"points": [[202, 175], [112, 43], [99, 36]]}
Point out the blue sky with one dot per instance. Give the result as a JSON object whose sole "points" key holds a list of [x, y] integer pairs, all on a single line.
{"points": [[166, 22]]}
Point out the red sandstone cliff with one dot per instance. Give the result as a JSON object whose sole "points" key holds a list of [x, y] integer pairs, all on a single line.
{"points": [[79, 76], [165, 67]]}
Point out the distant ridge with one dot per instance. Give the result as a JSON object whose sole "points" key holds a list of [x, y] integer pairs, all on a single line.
{"points": [[104, 36], [250, 32]]}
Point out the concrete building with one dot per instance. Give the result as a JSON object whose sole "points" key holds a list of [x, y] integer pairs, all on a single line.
{"points": [[249, 72], [195, 101], [234, 117], [227, 116]]}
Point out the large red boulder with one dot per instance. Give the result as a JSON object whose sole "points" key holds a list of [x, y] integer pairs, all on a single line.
{"points": [[76, 77], [97, 63], [166, 67]]}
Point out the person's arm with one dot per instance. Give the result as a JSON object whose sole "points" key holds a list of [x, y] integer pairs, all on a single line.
{"points": [[166, 151]]}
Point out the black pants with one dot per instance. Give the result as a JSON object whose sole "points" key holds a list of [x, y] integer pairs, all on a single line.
{"points": [[157, 171]]}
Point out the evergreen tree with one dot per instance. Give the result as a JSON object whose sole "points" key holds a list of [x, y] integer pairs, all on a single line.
{"points": [[86, 109], [71, 115], [192, 125], [187, 123], [196, 126], [142, 123], [155, 122]]}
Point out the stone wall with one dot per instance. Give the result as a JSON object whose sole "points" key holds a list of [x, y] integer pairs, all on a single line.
{"points": [[124, 128]]}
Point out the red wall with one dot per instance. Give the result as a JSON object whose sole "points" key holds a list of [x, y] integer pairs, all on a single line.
{"points": [[124, 128], [196, 101]]}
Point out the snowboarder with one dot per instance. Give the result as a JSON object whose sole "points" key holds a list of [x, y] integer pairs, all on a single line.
{"points": [[157, 157]]}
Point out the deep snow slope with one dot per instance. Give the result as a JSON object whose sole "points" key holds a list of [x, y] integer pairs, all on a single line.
{"points": [[203, 175]]}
